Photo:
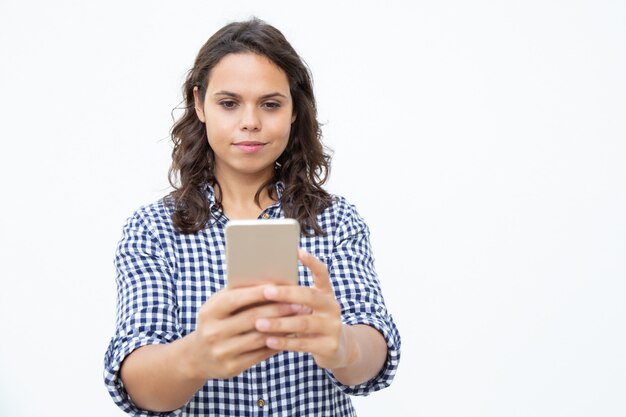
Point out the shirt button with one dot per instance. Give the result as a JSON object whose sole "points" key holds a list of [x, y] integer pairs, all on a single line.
{"points": [[265, 216], [260, 403]]}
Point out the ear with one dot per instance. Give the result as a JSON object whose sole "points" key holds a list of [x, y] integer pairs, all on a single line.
{"points": [[198, 105], [293, 118]]}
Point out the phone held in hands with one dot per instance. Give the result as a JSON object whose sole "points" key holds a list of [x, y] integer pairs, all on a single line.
{"points": [[262, 252]]}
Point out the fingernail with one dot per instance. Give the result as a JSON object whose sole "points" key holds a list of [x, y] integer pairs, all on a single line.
{"points": [[270, 292], [262, 324], [272, 342], [296, 308]]}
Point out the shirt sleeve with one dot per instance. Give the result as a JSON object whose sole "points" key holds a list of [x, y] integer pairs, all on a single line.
{"points": [[351, 268], [146, 305]]}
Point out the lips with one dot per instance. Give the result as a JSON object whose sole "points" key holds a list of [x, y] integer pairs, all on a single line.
{"points": [[249, 146]]}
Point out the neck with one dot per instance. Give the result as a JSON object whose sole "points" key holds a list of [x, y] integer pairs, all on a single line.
{"points": [[237, 193]]}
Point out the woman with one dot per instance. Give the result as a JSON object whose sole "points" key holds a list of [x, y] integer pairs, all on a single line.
{"points": [[248, 146]]}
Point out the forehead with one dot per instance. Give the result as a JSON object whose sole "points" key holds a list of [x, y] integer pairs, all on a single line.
{"points": [[247, 73]]}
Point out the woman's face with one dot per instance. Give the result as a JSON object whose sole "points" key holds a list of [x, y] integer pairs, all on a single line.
{"points": [[248, 113]]}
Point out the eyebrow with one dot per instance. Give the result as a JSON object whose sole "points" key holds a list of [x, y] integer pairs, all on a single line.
{"points": [[235, 95]]}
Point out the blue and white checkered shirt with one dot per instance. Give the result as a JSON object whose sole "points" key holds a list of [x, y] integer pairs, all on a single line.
{"points": [[164, 277]]}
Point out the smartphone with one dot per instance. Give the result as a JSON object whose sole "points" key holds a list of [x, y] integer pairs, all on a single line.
{"points": [[262, 251]]}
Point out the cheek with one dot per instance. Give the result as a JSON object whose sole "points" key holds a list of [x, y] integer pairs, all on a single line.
{"points": [[216, 129], [282, 128], [284, 138], [286, 133]]}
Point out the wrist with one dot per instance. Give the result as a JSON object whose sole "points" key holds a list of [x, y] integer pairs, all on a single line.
{"points": [[188, 366], [366, 352], [351, 349]]}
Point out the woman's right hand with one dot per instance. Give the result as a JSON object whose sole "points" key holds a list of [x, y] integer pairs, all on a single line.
{"points": [[226, 342], [163, 377]]}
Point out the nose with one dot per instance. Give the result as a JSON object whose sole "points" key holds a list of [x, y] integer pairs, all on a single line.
{"points": [[250, 120]]}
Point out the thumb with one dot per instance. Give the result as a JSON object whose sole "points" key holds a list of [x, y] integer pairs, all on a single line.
{"points": [[321, 279]]}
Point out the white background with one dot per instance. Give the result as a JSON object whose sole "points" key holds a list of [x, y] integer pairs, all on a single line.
{"points": [[482, 141]]}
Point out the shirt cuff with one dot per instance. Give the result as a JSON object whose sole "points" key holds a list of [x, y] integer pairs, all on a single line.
{"points": [[118, 350], [384, 378]]}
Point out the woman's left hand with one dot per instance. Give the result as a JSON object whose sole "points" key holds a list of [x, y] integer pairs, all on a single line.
{"points": [[318, 328]]}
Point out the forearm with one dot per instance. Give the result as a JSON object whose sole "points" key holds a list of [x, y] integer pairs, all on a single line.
{"points": [[158, 377], [367, 352]]}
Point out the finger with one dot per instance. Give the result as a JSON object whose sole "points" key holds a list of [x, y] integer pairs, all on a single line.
{"points": [[311, 324], [237, 365], [253, 358], [312, 344], [312, 298], [226, 301], [301, 309], [238, 345], [244, 321], [321, 279]]}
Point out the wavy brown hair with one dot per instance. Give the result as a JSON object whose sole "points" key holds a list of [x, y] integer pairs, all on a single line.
{"points": [[304, 165]]}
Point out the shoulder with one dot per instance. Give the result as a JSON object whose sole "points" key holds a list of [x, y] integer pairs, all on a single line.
{"points": [[341, 205], [159, 211], [342, 217], [155, 217]]}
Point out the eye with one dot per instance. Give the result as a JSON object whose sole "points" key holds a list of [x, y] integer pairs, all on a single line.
{"points": [[228, 104], [271, 105]]}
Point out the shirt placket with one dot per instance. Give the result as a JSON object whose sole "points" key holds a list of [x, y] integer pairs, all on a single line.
{"points": [[261, 402], [268, 213], [272, 212]]}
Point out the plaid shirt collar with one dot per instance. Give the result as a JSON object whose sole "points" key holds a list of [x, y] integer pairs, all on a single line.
{"points": [[217, 212], [210, 190]]}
